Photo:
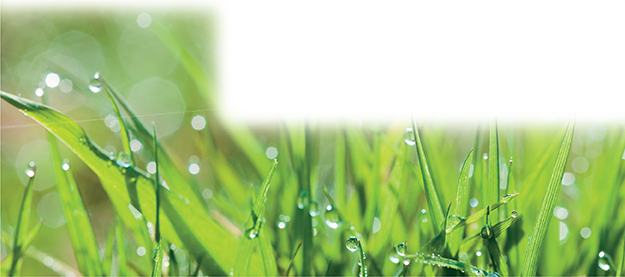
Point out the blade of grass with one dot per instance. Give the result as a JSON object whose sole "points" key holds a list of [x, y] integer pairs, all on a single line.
{"points": [[493, 166], [458, 223], [462, 199], [120, 238], [123, 130], [437, 260], [430, 192], [539, 232], [621, 252], [201, 235], [158, 252], [76, 216], [28, 240], [107, 259], [437, 244], [288, 270], [267, 254], [242, 260], [23, 219]]}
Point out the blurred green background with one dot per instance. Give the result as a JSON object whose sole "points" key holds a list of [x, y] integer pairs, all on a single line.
{"points": [[59, 52]]}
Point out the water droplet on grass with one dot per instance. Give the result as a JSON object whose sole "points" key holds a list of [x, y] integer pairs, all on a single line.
{"points": [[409, 137], [332, 217], [485, 156], [271, 153], [604, 261], [303, 200], [281, 224], [65, 166], [400, 248], [314, 208], [585, 232], [251, 233], [394, 258], [31, 169], [95, 85], [493, 274], [39, 92], [515, 214], [352, 244], [473, 202], [123, 159]]}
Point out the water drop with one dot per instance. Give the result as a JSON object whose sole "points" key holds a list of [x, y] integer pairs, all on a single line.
{"points": [[515, 214], [409, 137], [95, 85], [352, 244], [194, 169], [31, 169], [251, 233], [332, 217], [141, 251], [400, 248], [198, 122], [485, 156], [605, 261], [394, 258], [65, 166], [406, 262], [271, 153], [423, 211], [478, 253], [52, 80], [493, 274], [123, 159], [314, 208], [585, 232], [511, 160], [281, 224], [473, 202], [303, 200]]}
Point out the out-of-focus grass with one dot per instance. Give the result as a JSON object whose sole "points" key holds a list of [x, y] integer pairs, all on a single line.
{"points": [[361, 179]]}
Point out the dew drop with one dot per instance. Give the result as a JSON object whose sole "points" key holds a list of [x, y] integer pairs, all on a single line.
{"points": [[478, 253], [314, 208], [585, 232], [65, 166], [251, 233], [303, 200], [394, 258], [123, 159], [604, 261], [39, 92], [493, 274], [409, 137], [406, 262], [400, 248], [95, 85], [511, 160], [332, 217], [485, 156], [473, 202], [352, 244], [31, 169], [52, 80], [515, 214], [141, 251], [271, 153], [281, 224]]}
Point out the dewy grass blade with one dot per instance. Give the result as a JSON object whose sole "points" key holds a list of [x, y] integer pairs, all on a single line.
{"points": [[462, 199], [458, 223], [200, 234], [430, 192], [288, 270], [539, 232], [23, 219], [77, 218], [127, 154], [437, 244], [246, 243], [493, 166], [158, 252], [437, 260]]}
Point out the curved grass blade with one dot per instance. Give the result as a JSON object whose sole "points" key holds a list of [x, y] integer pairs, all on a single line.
{"points": [[462, 201], [437, 244], [158, 252], [246, 247], [430, 192], [459, 222], [77, 218], [107, 259], [23, 219], [619, 269], [120, 237], [28, 240], [499, 263], [539, 232], [200, 234], [493, 165], [123, 130], [267, 255], [437, 260]]}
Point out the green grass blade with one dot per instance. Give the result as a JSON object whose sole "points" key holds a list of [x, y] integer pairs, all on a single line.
{"points": [[430, 192], [457, 223], [493, 166], [462, 199], [23, 219], [268, 255], [107, 259], [437, 260], [246, 246], [497, 258], [539, 232], [288, 270], [200, 234], [621, 252], [123, 130], [158, 252], [77, 218], [28, 240], [157, 270], [120, 238], [390, 198], [437, 244]]}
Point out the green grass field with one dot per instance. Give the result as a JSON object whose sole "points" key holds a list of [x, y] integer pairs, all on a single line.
{"points": [[135, 173]]}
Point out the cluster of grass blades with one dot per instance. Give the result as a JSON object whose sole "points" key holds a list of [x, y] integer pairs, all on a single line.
{"points": [[368, 200]]}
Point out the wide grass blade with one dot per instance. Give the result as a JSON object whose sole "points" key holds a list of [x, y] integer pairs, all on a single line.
{"points": [[120, 238], [539, 232], [200, 234], [107, 259], [23, 219], [462, 199], [430, 192], [437, 244], [246, 246], [76, 216]]}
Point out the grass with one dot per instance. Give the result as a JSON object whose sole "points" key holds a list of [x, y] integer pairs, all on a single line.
{"points": [[429, 188]]}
